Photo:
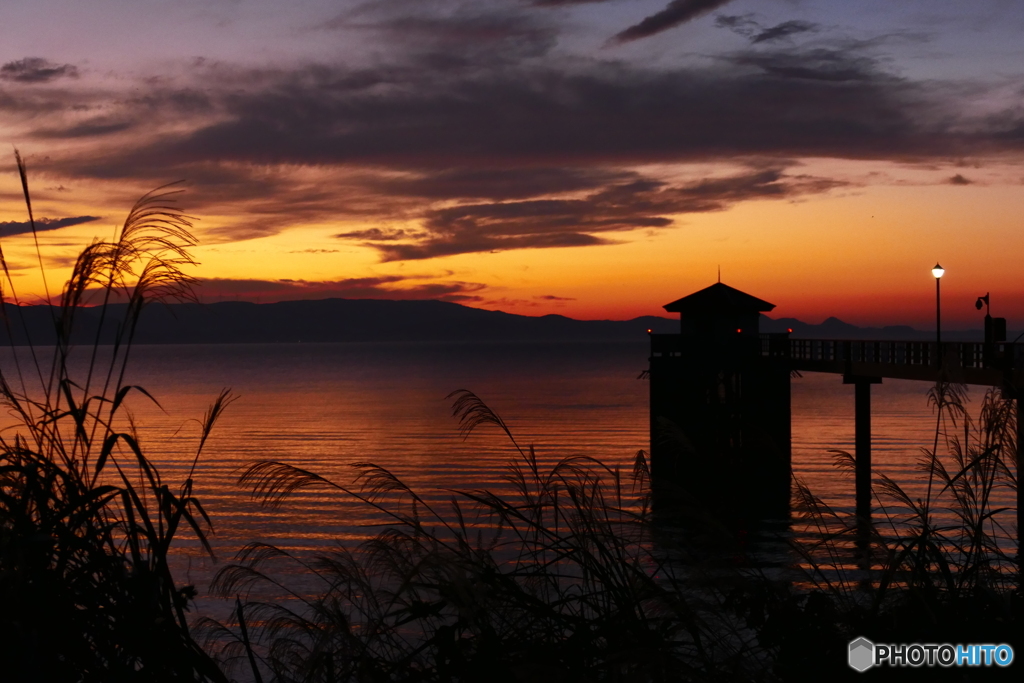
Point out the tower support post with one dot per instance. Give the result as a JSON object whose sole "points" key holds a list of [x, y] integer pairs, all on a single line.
{"points": [[862, 442]]}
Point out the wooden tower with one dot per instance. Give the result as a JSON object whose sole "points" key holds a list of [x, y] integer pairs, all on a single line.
{"points": [[720, 404]]}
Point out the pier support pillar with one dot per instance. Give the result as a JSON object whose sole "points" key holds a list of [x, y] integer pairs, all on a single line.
{"points": [[862, 441]]}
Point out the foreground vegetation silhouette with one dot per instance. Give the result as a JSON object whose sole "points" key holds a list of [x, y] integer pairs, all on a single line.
{"points": [[942, 567], [86, 522], [556, 580], [567, 577]]}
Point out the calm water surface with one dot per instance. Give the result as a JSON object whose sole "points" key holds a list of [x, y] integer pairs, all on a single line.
{"points": [[324, 406]]}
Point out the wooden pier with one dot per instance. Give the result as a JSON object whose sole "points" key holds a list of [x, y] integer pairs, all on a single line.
{"points": [[720, 394]]}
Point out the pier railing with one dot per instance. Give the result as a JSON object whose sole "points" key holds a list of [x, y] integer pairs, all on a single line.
{"points": [[969, 362], [999, 364]]}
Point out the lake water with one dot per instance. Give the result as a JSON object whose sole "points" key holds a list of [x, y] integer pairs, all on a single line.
{"points": [[324, 406]]}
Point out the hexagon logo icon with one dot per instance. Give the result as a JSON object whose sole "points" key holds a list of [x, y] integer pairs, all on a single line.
{"points": [[862, 654]]}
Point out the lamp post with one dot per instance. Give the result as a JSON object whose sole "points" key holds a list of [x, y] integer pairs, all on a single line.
{"points": [[938, 272]]}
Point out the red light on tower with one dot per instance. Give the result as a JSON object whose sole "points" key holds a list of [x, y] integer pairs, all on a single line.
{"points": [[738, 330], [789, 329]]}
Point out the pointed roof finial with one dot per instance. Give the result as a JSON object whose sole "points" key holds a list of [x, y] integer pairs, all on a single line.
{"points": [[719, 272]]}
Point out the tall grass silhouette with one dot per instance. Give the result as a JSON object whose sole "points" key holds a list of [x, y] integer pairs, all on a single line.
{"points": [[569, 577], [956, 538], [86, 521], [558, 580], [937, 564]]}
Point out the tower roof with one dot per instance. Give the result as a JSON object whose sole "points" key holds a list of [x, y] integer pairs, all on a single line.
{"points": [[719, 298]]}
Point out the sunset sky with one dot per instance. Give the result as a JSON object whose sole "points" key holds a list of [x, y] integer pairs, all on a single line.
{"points": [[592, 158]]}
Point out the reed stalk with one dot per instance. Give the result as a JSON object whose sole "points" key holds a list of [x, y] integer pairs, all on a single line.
{"points": [[86, 521]]}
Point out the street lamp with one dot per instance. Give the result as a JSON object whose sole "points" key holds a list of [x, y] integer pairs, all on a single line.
{"points": [[938, 272]]}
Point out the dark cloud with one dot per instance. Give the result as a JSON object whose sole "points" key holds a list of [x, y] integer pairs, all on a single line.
{"points": [[748, 27], [815, 64], [505, 303], [176, 101], [743, 24], [676, 13], [86, 129], [252, 227], [250, 197], [783, 30], [35, 104], [467, 38], [500, 155], [377, 234], [498, 183], [835, 102], [36, 70], [959, 180], [545, 223], [10, 228], [384, 287]]}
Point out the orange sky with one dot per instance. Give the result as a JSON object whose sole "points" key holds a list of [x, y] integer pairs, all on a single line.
{"points": [[861, 253], [541, 159]]}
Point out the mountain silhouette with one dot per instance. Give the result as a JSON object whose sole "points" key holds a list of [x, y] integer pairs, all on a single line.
{"points": [[377, 320]]}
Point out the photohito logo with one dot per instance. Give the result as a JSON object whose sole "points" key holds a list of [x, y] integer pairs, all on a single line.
{"points": [[863, 654]]}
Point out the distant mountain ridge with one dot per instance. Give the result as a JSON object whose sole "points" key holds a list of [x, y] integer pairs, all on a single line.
{"points": [[834, 328], [382, 320], [324, 320]]}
